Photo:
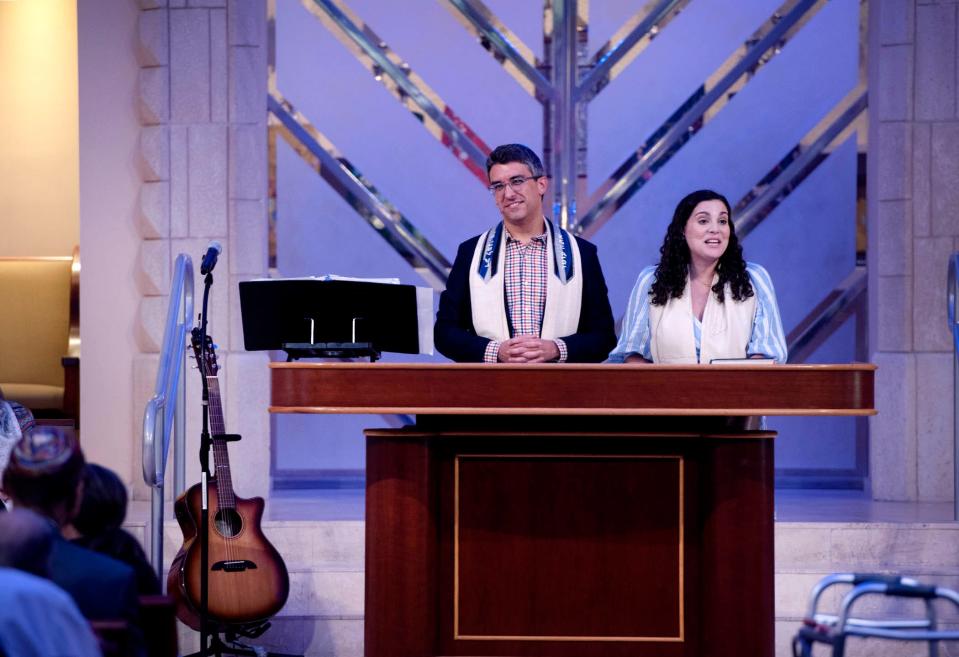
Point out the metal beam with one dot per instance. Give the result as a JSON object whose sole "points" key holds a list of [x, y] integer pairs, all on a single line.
{"points": [[407, 87], [697, 112], [505, 47], [801, 161], [952, 285], [561, 112], [356, 190], [828, 315], [626, 45]]}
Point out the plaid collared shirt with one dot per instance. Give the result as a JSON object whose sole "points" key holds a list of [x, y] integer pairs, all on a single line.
{"points": [[527, 268]]}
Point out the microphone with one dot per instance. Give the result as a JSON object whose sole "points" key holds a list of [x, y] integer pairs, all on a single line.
{"points": [[209, 258]]}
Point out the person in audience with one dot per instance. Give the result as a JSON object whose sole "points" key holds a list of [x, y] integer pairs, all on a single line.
{"points": [[26, 540], [9, 435], [525, 291], [37, 618], [45, 475], [703, 301], [15, 418], [98, 525]]}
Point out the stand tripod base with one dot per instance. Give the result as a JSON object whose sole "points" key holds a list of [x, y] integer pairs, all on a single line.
{"points": [[218, 647]]}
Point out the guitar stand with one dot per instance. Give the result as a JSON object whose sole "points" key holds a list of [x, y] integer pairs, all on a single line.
{"points": [[230, 646]]}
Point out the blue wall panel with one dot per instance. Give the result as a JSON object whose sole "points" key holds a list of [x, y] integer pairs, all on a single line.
{"points": [[808, 243]]}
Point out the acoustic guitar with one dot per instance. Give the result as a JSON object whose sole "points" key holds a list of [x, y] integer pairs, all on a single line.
{"points": [[248, 581]]}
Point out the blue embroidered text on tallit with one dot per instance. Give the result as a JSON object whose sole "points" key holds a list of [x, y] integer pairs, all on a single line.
{"points": [[487, 266], [563, 267]]}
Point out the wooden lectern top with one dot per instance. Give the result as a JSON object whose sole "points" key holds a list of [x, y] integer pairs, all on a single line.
{"points": [[565, 389]]}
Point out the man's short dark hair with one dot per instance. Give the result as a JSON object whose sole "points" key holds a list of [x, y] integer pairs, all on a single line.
{"points": [[508, 153]]}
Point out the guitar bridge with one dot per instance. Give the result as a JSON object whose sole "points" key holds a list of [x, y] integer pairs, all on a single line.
{"points": [[234, 566]]}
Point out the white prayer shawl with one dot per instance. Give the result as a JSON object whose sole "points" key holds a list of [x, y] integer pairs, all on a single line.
{"points": [[564, 286], [726, 328]]}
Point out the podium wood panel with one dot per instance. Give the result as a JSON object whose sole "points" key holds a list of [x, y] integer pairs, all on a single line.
{"points": [[610, 544], [670, 390], [568, 546]]}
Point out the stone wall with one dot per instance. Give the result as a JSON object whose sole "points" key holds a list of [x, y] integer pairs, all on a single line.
{"points": [[202, 103], [913, 230]]}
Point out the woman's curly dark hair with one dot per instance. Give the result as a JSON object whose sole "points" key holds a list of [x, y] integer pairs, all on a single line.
{"points": [[673, 267]]}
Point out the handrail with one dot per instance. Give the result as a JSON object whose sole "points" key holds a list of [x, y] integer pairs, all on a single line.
{"points": [[168, 406], [952, 284]]}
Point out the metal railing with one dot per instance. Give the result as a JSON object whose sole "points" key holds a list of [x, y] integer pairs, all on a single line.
{"points": [[166, 410], [952, 284]]}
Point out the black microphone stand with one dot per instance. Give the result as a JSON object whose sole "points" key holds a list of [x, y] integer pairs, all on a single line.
{"points": [[204, 480], [210, 643]]}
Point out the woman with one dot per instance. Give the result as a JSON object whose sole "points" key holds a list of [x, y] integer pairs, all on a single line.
{"points": [[702, 301], [98, 525]]}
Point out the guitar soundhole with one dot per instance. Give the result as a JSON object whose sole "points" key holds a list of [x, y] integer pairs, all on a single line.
{"points": [[228, 522]]}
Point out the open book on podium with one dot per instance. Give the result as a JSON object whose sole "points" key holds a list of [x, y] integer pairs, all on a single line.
{"points": [[336, 317]]}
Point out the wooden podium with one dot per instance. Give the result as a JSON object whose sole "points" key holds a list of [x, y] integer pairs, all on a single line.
{"points": [[561, 510]]}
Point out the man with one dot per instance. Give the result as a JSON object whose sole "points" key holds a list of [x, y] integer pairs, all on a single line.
{"points": [[44, 476], [26, 540], [36, 616], [525, 291]]}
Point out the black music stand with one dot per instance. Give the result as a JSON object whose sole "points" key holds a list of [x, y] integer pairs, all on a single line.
{"points": [[316, 318]]}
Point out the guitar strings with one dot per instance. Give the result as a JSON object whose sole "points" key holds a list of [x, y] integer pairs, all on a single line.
{"points": [[219, 461], [227, 484]]}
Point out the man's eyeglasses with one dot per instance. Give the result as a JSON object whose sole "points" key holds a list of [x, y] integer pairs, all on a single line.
{"points": [[516, 182]]}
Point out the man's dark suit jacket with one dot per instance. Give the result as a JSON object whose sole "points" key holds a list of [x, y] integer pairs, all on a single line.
{"points": [[456, 338], [103, 588]]}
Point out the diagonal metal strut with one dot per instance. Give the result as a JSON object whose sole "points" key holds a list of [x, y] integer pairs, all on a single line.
{"points": [[696, 112], [627, 44], [406, 86], [362, 196], [828, 315], [505, 47], [801, 161]]}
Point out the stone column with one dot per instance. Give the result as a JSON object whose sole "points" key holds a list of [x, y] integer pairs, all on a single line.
{"points": [[913, 230], [202, 100]]}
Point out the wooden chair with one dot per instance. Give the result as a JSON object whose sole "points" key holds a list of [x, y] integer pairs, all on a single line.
{"points": [[40, 334], [158, 619], [114, 637], [157, 627]]}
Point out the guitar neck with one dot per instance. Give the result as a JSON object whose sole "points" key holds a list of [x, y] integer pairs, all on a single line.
{"points": [[221, 457]]}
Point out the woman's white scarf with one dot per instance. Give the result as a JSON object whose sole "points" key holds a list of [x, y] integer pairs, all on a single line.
{"points": [[564, 286], [726, 328]]}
